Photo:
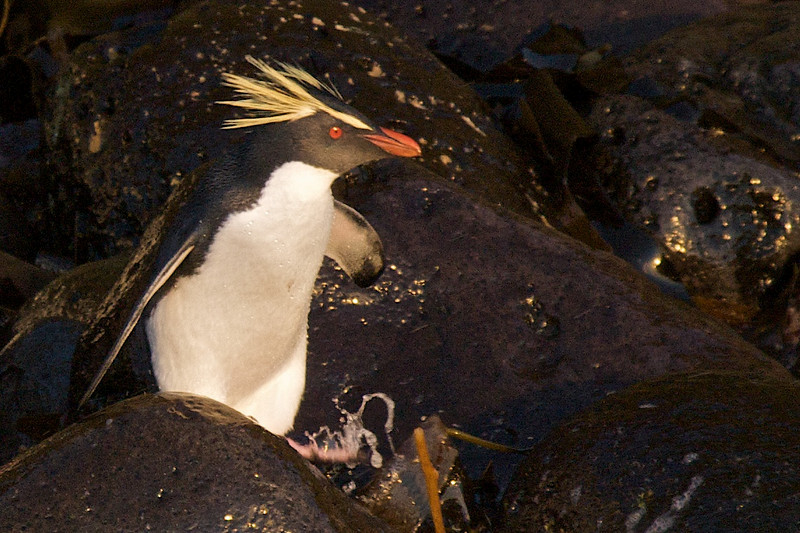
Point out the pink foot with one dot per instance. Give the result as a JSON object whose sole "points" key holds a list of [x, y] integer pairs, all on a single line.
{"points": [[313, 452]]}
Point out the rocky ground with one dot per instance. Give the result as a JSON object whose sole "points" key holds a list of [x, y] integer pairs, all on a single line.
{"points": [[592, 262]]}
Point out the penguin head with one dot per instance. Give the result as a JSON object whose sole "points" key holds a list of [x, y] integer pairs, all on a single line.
{"points": [[326, 141], [314, 125]]}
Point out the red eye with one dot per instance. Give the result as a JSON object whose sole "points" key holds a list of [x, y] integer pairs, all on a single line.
{"points": [[335, 132]]}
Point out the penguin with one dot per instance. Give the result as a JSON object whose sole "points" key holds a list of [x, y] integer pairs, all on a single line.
{"points": [[225, 287]]}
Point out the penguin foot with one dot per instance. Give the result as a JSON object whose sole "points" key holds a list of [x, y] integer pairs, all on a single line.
{"points": [[327, 454], [353, 443]]}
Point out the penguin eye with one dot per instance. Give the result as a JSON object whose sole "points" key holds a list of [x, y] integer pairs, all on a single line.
{"points": [[335, 132]]}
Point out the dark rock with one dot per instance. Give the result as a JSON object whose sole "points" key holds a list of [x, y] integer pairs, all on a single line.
{"points": [[22, 278], [706, 205], [151, 97], [34, 380], [60, 25], [707, 152], [481, 34], [18, 140], [171, 462], [500, 325], [35, 364], [713, 451], [726, 220], [716, 185], [82, 17], [74, 295], [19, 281], [548, 129], [738, 70]]}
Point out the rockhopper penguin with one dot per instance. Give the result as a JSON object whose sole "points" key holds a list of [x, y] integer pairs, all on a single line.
{"points": [[226, 304]]}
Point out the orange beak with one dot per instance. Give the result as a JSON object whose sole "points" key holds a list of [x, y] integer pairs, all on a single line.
{"points": [[395, 143]]}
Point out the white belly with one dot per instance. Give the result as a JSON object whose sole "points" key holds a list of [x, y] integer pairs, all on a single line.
{"points": [[236, 330]]}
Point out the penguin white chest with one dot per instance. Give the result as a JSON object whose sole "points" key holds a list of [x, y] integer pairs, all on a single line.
{"points": [[236, 330]]}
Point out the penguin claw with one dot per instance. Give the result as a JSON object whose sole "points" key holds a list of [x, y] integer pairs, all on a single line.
{"points": [[327, 454]]}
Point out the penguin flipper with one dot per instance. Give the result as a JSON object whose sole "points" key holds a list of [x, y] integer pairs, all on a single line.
{"points": [[156, 283], [355, 245]]}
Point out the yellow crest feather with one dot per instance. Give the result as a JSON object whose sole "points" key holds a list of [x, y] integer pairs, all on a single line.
{"points": [[281, 96]]}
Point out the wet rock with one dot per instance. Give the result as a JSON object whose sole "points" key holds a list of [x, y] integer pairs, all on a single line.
{"points": [[18, 140], [150, 96], [18, 282], [60, 25], [501, 326], [16, 238], [727, 220], [82, 17], [20, 278], [398, 492], [74, 295], [35, 364], [481, 34], [712, 168], [529, 94], [713, 451], [737, 74], [34, 376], [542, 95], [171, 462]]}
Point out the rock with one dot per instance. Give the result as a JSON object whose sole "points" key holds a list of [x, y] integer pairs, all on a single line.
{"points": [[713, 451], [35, 364], [18, 281], [22, 278], [707, 137], [81, 17], [725, 219], [501, 326], [732, 73], [171, 462], [34, 381], [480, 35]]}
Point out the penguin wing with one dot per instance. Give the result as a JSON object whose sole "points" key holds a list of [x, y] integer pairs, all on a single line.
{"points": [[156, 283], [355, 245]]}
